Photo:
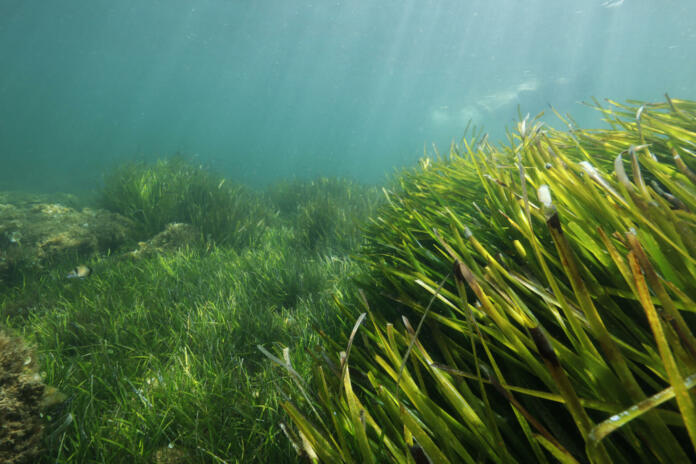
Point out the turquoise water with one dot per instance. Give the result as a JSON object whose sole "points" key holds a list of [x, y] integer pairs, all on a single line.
{"points": [[262, 90]]}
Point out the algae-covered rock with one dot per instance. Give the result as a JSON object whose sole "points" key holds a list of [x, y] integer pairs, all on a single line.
{"points": [[33, 232], [171, 455], [174, 236], [21, 396]]}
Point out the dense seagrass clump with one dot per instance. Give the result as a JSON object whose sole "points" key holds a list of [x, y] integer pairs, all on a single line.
{"points": [[555, 279], [174, 190], [326, 213]]}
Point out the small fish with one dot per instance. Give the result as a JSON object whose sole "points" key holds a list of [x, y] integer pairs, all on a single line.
{"points": [[80, 272]]}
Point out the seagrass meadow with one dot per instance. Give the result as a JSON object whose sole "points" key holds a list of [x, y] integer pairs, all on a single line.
{"points": [[531, 301], [153, 354], [295, 231]]}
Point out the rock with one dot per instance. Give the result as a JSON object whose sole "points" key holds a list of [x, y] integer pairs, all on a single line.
{"points": [[174, 236], [21, 394], [171, 455], [33, 232]]}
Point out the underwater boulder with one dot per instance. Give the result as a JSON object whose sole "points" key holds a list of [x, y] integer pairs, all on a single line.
{"points": [[21, 395], [171, 455], [33, 233], [174, 236]]}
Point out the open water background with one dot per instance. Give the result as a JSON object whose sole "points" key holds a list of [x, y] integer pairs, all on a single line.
{"points": [[269, 89]]}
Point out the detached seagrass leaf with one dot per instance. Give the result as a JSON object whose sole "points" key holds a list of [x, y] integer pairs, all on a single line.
{"points": [[616, 421]]}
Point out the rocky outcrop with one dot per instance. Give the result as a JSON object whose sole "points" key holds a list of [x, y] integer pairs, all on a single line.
{"points": [[34, 232], [21, 395], [174, 236]]}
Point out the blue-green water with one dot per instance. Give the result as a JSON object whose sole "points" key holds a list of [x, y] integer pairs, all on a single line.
{"points": [[267, 89]]}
